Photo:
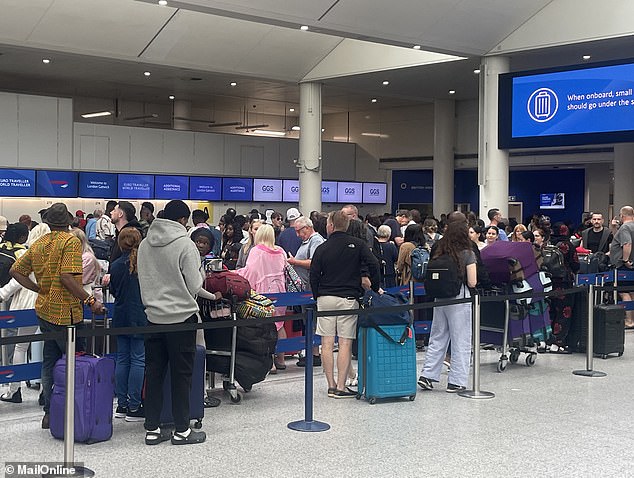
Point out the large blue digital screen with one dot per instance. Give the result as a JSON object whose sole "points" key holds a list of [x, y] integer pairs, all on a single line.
{"points": [[374, 193], [290, 190], [97, 185], [17, 182], [329, 191], [203, 188], [135, 186], [349, 193], [237, 189], [267, 190], [580, 105], [552, 201], [57, 184], [171, 187]]}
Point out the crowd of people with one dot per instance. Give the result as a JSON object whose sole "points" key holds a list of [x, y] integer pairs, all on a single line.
{"points": [[154, 271]]}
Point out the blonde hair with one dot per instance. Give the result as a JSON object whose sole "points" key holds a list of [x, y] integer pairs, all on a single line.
{"points": [[37, 232], [251, 238], [521, 228], [266, 236]]}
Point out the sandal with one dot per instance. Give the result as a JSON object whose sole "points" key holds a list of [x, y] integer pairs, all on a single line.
{"points": [[156, 437], [193, 438]]}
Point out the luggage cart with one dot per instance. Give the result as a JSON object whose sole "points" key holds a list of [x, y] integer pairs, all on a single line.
{"points": [[222, 341], [492, 330]]}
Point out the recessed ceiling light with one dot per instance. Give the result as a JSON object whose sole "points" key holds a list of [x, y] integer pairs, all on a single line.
{"points": [[96, 114], [233, 83], [295, 128], [452, 92], [373, 100], [147, 73], [171, 97], [476, 71], [46, 61], [292, 110], [416, 47], [586, 57], [385, 83], [304, 28], [162, 3], [323, 129]]}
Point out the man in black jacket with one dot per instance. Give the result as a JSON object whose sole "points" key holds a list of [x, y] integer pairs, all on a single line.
{"points": [[340, 270]]}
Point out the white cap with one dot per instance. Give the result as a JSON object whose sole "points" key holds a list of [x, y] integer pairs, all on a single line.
{"points": [[292, 214], [3, 223]]}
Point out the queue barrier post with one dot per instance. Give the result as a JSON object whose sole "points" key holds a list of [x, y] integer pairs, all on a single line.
{"points": [[308, 424], [476, 392], [588, 372]]}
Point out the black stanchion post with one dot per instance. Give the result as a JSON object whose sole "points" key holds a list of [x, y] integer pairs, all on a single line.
{"points": [[476, 392], [308, 424], [588, 372]]}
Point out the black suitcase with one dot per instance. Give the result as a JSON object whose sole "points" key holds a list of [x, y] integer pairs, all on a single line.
{"points": [[609, 330]]}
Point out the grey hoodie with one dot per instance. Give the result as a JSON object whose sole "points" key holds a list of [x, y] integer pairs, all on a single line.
{"points": [[169, 275]]}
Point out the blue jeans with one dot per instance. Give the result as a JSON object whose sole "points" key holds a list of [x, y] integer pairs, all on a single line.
{"points": [[53, 351], [130, 371]]}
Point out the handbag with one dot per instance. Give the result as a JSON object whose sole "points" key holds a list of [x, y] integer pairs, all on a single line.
{"points": [[293, 280], [256, 306]]}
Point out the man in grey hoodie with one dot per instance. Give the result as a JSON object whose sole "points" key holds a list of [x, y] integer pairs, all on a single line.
{"points": [[169, 276]]}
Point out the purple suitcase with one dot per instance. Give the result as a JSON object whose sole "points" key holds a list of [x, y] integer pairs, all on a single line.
{"points": [[94, 393], [196, 396], [495, 257]]}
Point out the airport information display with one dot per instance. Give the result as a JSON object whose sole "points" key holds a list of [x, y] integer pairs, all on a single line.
{"points": [[290, 190], [171, 187], [580, 105], [267, 190], [329, 191], [349, 193], [237, 189], [17, 182], [204, 188], [57, 184], [136, 186], [97, 185], [552, 201], [374, 193]]}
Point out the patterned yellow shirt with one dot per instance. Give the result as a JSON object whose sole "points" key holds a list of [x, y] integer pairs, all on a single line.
{"points": [[53, 254]]}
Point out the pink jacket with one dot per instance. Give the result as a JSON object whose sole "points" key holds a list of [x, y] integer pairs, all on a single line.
{"points": [[265, 271]]}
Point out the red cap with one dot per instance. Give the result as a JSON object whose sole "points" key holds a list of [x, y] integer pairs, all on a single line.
{"points": [[79, 213]]}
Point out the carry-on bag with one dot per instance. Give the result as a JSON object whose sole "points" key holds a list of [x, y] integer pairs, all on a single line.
{"points": [[387, 362], [94, 393], [196, 396], [609, 330]]}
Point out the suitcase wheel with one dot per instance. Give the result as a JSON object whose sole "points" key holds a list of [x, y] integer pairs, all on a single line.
{"points": [[621, 354], [358, 397], [515, 356], [412, 398], [604, 356], [236, 398], [530, 360], [502, 365], [372, 400]]}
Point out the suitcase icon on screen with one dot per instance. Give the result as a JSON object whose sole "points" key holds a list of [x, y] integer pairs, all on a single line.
{"points": [[542, 105]]}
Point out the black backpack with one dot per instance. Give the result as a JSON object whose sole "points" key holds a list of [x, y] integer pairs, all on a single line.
{"points": [[102, 249], [442, 278], [554, 262], [7, 259]]}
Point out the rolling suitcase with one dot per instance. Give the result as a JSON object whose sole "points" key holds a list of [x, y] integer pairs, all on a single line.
{"points": [[609, 330], [387, 363], [196, 396], [94, 393]]}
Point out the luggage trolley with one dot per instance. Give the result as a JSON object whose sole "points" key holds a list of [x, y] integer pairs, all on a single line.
{"points": [[222, 341], [491, 329]]}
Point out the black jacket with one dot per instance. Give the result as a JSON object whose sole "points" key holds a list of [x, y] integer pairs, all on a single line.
{"points": [[338, 265]]}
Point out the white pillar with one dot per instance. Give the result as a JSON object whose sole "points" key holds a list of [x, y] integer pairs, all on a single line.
{"points": [[309, 163], [623, 176], [493, 163], [444, 134], [182, 109]]}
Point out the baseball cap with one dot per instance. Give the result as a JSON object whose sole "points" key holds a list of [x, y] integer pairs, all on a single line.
{"points": [[79, 213], [292, 214], [3, 223]]}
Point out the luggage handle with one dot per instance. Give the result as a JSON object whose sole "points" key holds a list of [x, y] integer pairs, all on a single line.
{"points": [[407, 333]]}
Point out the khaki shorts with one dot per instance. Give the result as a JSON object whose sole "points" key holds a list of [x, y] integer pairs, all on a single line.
{"points": [[344, 326]]}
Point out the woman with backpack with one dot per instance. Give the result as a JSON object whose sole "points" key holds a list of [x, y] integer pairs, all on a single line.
{"points": [[452, 323], [562, 262], [414, 237]]}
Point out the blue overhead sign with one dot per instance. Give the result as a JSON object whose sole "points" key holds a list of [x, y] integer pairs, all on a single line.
{"points": [[171, 187], [97, 185], [203, 188], [237, 189], [136, 186], [17, 182], [57, 184]]}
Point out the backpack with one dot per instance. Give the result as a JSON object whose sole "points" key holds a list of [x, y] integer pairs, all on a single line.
{"points": [[419, 258], [554, 262], [7, 259], [229, 284], [442, 278], [102, 249]]}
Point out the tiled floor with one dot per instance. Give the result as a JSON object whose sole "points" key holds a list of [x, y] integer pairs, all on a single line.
{"points": [[543, 421]]}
